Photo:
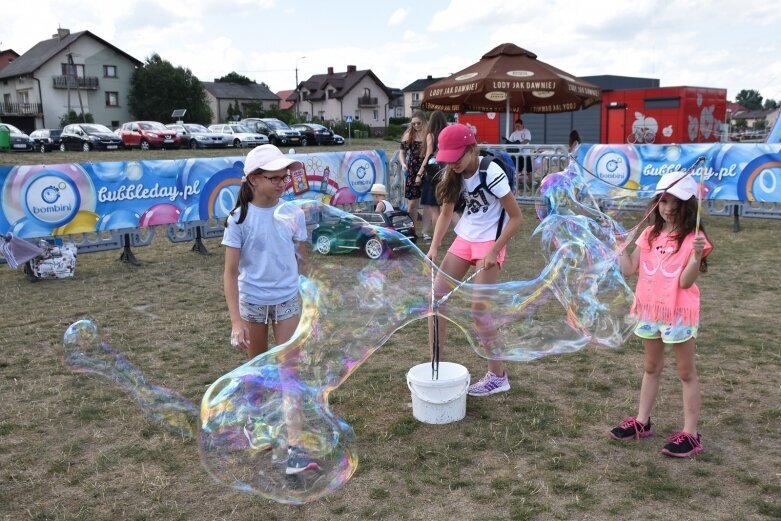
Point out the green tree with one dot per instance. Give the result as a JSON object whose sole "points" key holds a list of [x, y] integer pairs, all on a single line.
{"points": [[157, 88], [751, 99], [235, 77], [254, 109], [72, 117], [770, 104]]}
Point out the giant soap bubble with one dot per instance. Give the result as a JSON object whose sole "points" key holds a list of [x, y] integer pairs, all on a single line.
{"points": [[352, 304]]}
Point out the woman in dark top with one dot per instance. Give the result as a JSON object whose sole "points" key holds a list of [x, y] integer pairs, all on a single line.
{"points": [[416, 146], [428, 198]]}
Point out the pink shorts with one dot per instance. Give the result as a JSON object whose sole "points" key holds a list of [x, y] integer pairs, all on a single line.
{"points": [[474, 251]]}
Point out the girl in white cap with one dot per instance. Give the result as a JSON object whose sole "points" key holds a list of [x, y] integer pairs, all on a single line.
{"points": [[670, 255], [379, 193], [266, 249], [491, 217]]}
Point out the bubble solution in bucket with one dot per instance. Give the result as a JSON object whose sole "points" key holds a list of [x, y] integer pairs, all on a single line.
{"points": [[442, 400]]}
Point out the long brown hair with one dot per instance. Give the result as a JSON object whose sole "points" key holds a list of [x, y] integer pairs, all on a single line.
{"points": [[409, 136], [449, 188], [245, 196], [436, 123], [685, 222]]}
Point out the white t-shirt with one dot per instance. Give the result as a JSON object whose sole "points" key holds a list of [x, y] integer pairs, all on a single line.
{"points": [[483, 208], [520, 136], [268, 271]]}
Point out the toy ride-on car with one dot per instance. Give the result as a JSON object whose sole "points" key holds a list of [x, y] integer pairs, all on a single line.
{"points": [[367, 232]]}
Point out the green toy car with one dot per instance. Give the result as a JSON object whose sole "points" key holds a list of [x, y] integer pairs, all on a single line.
{"points": [[357, 232]]}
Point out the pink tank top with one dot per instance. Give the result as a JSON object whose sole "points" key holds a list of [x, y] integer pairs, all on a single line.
{"points": [[659, 296]]}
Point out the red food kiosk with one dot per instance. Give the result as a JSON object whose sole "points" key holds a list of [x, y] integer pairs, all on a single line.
{"points": [[663, 115]]}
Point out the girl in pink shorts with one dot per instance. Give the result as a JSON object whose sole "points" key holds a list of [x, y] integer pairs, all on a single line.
{"points": [[491, 217], [669, 257]]}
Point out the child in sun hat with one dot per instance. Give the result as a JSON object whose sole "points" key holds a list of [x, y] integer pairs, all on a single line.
{"points": [[379, 193], [266, 249], [481, 234], [670, 255]]}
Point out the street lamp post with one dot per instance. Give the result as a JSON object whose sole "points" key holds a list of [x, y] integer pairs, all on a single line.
{"points": [[298, 95]]}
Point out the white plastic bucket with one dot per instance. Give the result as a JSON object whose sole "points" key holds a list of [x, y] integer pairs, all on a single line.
{"points": [[442, 400]]}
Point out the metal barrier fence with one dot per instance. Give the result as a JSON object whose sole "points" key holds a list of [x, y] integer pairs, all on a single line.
{"points": [[532, 164]]}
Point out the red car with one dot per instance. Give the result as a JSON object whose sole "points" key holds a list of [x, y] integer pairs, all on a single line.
{"points": [[148, 134]]}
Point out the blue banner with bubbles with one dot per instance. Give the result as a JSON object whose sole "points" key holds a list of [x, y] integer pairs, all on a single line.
{"points": [[747, 172], [44, 200]]}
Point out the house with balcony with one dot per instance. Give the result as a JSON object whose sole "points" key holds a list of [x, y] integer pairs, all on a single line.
{"points": [[332, 96], [220, 95], [78, 72], [413, 94]]}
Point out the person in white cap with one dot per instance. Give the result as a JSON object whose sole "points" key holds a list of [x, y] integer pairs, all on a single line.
{"points": [[670, 255], [379, 193], [266, 249], [491, 217]]}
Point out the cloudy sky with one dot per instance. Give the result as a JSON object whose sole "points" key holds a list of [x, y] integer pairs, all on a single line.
{"points": [[708, 43]]}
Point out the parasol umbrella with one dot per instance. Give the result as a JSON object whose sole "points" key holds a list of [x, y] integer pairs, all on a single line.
{"points": [[510, 78]]}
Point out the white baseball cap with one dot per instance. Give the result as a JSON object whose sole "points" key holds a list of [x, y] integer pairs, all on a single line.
{"points": [[679, 184], [268, 158]]}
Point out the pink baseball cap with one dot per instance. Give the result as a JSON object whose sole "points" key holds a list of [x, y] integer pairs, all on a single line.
{"points": [[452, 142], [679, 184], [268, 158]]}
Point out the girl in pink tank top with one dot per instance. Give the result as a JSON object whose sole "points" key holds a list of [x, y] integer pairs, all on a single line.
{"points": [[669, 257]]}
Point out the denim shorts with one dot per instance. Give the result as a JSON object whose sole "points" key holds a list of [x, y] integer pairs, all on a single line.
{"points": [[670, 334], [262, 313]]}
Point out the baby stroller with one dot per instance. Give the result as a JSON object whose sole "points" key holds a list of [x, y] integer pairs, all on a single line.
{"points": [[41, 261]]}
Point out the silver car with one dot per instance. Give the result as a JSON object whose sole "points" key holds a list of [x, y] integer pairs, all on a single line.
{"points": [[240, 135], [193, 136]]}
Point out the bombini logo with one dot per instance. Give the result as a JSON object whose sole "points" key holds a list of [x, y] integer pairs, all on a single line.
{"points": [[51, 198], [361, 175]]}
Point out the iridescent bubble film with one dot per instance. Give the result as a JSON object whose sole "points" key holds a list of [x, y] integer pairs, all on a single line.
{"points": [[85, 352], [266, 427]]}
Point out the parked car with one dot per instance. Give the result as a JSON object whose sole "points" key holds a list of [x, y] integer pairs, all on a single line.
{"points": [[239, 135], [356, 232], [46, 139], [192, 135], [148, 134], [338, 140], [19, 140], [88, 136], [314, 134], [275, 129]]}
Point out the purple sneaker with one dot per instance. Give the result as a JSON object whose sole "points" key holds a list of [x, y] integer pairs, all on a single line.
{"points": [[490, 384]]}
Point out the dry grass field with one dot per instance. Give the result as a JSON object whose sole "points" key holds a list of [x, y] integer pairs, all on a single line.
{"points": [[74, 447]]}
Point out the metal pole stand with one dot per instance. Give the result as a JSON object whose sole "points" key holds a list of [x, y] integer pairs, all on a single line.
{"points": [[199, 246], [735, 219], [127, 254]]}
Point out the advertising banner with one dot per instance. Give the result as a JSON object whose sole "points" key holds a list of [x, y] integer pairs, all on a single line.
{"points": [[44, 200], [747, 172]]}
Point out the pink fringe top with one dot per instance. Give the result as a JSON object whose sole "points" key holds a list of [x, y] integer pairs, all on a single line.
{"points": [[659, 296]]}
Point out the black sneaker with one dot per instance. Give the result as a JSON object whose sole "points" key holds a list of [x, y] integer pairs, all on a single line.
{"points": [[631, 429], [682, 445]]}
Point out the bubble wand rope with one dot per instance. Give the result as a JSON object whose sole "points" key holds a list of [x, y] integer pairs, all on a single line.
{"points": [[699, 196], [435, 327], [688, 171]]}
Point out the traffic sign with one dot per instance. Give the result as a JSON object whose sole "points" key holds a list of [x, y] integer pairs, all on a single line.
{"points": [[348, 119]]}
